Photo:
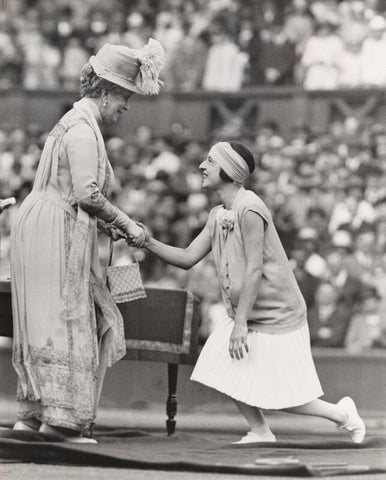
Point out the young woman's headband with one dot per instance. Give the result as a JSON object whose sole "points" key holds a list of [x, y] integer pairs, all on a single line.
{"points": [[230, 161]]}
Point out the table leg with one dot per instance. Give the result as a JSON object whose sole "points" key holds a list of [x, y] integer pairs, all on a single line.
{"points": [[171, 403]]}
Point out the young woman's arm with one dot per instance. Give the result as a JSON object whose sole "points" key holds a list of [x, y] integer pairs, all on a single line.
{"points": [[182, 257], [252, 229]]}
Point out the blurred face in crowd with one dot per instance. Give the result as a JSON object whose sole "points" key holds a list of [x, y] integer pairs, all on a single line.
{"points": [[115, 148], [167, 206], [366, 242], [299, 6], [352, 202], [324, 29], [305, 169], [370, 305], [376, 33], [335, 261], [299, 257], [98, 23], [130, 155], [143, 134], [309, 245], [381, 219], [317, 220], [326, 294], [116, 103], [380, 145], [351, 125], [210, 171], [263, 137], [354, 47], [3, 141]]}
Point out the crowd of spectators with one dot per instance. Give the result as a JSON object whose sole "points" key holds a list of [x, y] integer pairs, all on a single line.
{"points": [[326, 192], [211, 45]]}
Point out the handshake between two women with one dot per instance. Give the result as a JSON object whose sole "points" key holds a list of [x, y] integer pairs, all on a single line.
{"points": [[136, 237]]}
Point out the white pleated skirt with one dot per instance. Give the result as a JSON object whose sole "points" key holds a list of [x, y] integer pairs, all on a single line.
{"points": [[278, 372]]}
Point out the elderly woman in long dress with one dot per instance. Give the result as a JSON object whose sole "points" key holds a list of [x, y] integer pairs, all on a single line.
{"points": [[67, 328]]}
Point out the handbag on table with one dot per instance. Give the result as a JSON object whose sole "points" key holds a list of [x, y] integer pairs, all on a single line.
{"points": [[124, 281]]}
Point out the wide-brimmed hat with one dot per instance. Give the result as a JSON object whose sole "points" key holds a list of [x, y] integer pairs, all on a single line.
{"points": [[136, 70]]}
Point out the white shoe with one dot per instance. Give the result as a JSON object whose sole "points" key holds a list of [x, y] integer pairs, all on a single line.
{"points": [[21, 426], [80, 439], [252, 437], [354, 424], [53, 432]]}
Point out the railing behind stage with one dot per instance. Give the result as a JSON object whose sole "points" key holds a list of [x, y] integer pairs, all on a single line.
{"points": [[205, 112]]}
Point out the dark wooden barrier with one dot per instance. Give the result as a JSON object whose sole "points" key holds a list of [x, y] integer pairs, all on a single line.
{"points": [[161, 328], [203, 112]]}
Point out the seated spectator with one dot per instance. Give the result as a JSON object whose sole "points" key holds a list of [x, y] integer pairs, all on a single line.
{"points": [[136, 32], [116, 28], [298, 25], [365, 257], [31, 42], [373, 54], [49, 67], [10, 54], [317, 218], [307, 193], [328, 319], [169, 33], [187, 64], [350, 65], [265, 132], [352, 211], [225, 63], [356, 10], [366, 329], [319, 60], [166, 161], [348, 286], [95, 29], [74, 57], [306, 268], [272, 56], [286, 228]]}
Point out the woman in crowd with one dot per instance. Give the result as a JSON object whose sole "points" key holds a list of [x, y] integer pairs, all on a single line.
{"points": [[260, 356], [67, 329]]}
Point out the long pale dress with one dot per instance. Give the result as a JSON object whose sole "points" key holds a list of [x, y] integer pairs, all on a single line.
{"points": [[67, 329]]}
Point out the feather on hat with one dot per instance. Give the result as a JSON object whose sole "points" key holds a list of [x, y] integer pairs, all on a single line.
{"points": [[133, 69]]}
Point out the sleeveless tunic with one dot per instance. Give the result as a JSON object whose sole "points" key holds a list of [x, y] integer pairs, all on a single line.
{"points": [[278, 372]]}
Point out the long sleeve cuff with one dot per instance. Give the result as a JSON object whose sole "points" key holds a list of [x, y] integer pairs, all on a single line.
{"points": [[98, 205]]}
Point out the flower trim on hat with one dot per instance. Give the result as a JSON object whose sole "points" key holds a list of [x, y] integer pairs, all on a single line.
{"points": [[151, 60]]}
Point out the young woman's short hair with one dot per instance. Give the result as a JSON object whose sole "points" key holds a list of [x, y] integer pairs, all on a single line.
{"points": [[245, 154], [91, 85]]}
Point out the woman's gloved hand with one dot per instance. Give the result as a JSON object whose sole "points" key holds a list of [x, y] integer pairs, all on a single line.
{"points": [[136, 235]]}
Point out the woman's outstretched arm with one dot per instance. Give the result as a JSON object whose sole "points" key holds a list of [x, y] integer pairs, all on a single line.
{"points": [[181, 257]]}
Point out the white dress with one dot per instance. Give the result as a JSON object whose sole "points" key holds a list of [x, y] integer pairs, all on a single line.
{"points": [[278, 372]]}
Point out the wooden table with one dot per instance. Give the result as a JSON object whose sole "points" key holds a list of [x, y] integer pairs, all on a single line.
{"points": [[161, 328]]}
